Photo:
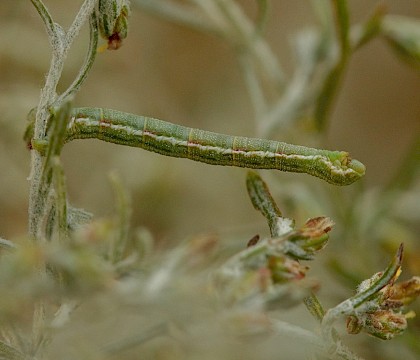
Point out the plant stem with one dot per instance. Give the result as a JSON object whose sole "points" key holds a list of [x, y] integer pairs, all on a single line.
{"points": [[181, 14], [333, 80], [90, 58], [46, 18], [60, 42]]}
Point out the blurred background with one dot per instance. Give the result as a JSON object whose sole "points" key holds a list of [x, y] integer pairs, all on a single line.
{"points": [[174, 73]]}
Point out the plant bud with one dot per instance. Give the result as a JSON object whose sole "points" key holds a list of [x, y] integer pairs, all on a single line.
{"points": [[113, 21], [353, 325], [407, 291], [385, 324]]}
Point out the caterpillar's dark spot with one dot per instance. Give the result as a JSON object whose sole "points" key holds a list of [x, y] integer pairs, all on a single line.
{"points": [[253, 241]]}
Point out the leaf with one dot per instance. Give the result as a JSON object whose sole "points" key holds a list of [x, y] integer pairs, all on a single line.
{"points": [[403, 35]]}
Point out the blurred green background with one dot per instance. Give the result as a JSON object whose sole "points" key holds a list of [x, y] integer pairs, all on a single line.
{"points": [[176, 74]]}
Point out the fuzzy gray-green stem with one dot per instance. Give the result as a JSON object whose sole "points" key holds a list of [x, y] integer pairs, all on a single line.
{"points": [[60, 42]]}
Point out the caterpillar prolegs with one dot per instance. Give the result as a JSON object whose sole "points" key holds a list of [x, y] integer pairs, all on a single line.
{"points": [[335, 167]]}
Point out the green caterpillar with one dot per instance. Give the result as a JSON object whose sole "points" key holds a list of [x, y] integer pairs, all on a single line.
{"points": [[335, 167]]}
